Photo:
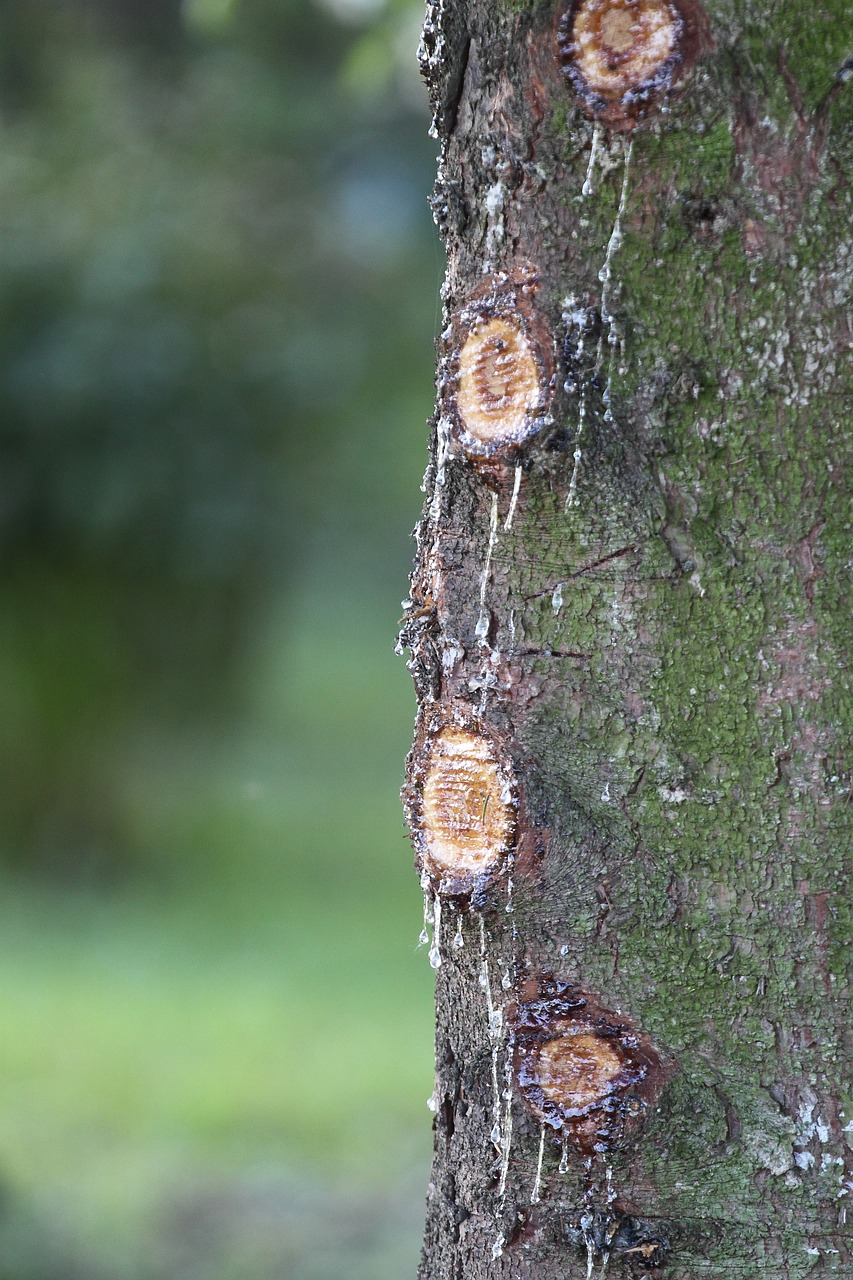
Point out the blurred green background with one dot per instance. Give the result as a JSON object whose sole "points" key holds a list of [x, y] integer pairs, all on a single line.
{"points": [[218, 284]]}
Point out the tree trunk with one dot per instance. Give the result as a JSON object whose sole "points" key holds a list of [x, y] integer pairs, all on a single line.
{"points": [[628, 630]]}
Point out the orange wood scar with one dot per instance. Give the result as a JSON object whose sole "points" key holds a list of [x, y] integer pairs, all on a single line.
{"points": [[466, 823], [461, 801], [498, 380], [499, 370], [623, 56]]}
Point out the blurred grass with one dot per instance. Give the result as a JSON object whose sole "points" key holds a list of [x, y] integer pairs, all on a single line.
{"points": [[269, 1009], [217, 292]]}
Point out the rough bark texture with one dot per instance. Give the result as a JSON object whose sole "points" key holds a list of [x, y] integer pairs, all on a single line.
{"points": [[664, 658]]}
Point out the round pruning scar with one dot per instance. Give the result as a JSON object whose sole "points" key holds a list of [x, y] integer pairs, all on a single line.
{"points": [[500, 373], [622, 56], [585, 1071], [577, 1068], [461, 806]]}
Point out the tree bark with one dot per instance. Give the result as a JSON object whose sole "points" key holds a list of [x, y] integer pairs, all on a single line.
{"points": [[629, 636]]}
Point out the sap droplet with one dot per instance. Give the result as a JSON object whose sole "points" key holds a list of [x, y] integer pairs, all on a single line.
{"points": [[534, 1195], [435, 949]]}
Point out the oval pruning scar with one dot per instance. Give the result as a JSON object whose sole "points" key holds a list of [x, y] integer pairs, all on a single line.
{"points": [[622, 56], [585, 1071], [498, 381], [463, 811], [576, 1069], [501, 371]]}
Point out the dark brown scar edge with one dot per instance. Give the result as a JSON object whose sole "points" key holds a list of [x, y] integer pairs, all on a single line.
{"points": [[544, 1006], [469, 886], [626, 110], [500, 297]]}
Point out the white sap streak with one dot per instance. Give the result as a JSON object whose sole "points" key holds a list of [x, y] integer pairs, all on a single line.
{"points": [[578, 452], [442, 455], [564, 1158], [458, 940], [481, 630], [534, 1195], [484, 967], [513, 503], [495, 203], [594, 152], [605, 275], [507, 1122], [436, 509], [615, 241], [507, 1142], [428, 915], [495, 1136], [435, 949]]}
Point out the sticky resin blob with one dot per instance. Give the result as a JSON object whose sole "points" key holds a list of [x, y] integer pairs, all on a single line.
{"points": [[499, 381], [466, 823], [621, 56]]}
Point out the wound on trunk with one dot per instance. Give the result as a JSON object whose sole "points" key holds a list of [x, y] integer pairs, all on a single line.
{"points": [[585, 1071], [622, 57], [461, 804], [499, 372]]}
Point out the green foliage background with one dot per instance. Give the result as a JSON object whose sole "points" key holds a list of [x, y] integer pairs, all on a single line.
{"points": [[218, 286]]}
